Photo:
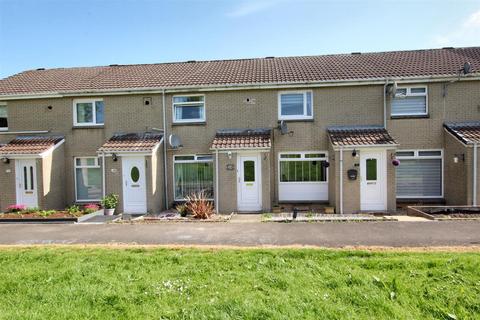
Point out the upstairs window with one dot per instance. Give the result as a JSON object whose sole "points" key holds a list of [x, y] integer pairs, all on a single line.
{"points": [[88, 112], [3, 117], [295, 105], [410, 101], [188, 109]]}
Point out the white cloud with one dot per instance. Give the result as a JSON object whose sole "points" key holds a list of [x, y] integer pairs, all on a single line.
{"points": [[467, 34], [251, 7]]}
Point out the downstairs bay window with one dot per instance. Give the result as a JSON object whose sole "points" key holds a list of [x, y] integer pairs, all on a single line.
{"points": [[88, 179], [420, 174], [303, 176], [192, 173]]}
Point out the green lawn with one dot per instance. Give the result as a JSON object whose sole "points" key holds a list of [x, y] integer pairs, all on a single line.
{"points": [[137, 283]]}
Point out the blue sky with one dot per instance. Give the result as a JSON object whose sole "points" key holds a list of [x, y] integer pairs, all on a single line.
{"points": [[65, 33]]}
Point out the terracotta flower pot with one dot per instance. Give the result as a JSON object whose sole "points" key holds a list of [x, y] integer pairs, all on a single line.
{"points": [[108, 212]]}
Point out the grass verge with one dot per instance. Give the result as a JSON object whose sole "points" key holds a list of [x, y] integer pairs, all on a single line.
{"points": [[103, 283]]}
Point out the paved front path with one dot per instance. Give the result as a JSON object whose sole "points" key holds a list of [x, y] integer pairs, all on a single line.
{"points": [[410, 234]]}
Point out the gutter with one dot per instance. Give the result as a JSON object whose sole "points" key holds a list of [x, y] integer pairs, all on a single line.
{"points": [[248, 86], [24, 132]]}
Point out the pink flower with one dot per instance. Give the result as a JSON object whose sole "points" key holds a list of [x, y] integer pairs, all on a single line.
{"points": [[16, 207], [91, 206]]}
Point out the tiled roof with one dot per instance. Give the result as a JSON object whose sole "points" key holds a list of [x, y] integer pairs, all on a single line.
{"points": [[360, 136], [466, 132], [282, 70], [242, 139], [131, 142], [29, 145]]}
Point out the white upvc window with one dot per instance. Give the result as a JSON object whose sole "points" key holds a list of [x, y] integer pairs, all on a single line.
{"points": [[420, 173], [188, 108], [295, 105], [88, 179], [192, 173], [303, 176], [410, 101], [3, 117], [88, 112]]}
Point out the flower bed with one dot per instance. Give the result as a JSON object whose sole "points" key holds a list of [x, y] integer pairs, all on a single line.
{"points": [[172, 216], [445, 212], [20, 213]]}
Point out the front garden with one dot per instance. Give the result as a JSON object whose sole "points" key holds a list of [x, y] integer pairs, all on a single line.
{"points": [[20, 212], [141, 283]]}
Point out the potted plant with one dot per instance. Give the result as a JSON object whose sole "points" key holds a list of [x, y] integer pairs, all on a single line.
{"points": [[109, 204]]}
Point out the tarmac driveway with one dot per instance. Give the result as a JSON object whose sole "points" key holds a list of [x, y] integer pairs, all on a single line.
{"points": [[394, 234]]}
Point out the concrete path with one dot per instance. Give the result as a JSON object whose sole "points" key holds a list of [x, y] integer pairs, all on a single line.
{"points": [[394, 234]]}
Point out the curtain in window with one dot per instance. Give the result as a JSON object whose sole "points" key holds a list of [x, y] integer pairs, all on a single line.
{"points": [[303, 171], [292, 104], [89, 183], [193, 177]]}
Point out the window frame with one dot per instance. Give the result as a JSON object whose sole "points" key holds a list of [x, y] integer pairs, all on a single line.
{"points": [[194, 160], [410, 94], [416, 156], [93, 101], [75, 167], [295, 117], [4, 104], [302, 158], [188, 103]]}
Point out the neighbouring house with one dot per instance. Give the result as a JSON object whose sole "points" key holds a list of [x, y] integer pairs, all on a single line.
{"points": [[359, 132]]}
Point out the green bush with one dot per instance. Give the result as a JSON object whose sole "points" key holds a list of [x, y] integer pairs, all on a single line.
{"points": [[110, 201]]}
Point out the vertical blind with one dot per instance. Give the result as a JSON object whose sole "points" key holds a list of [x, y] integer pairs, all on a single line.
{"points": [[419, 178]]}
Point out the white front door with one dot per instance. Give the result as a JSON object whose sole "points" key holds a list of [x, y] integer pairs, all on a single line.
{"points": [[373, 180], [26, 180], [249, 188], [134, 185]]}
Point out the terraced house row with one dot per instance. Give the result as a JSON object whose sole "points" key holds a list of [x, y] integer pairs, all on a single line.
{"points": [[359, 132]]}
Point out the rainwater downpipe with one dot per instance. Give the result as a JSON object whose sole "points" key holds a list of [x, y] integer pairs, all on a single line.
{"points": [[385, 104], [165, 176], [475, 178], [103, 175], [341, 181], [216, 182]]}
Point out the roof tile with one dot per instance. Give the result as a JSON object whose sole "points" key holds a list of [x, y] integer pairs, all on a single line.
{"points": [[360, 136], [242, 139], [377, 65], [29, 145], [132, 142], [466, 132]]}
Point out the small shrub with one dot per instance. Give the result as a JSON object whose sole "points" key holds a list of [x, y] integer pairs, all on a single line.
{"points": [[16, 208], [73, 209], [46, 213], [182, 209], [31, 210], [110, 201], [199, 205], [90, 208]]}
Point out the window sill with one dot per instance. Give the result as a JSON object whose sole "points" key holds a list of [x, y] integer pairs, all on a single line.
{"points": [[200, 123], [296, 120], [420, 116], [89, 127]]}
